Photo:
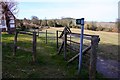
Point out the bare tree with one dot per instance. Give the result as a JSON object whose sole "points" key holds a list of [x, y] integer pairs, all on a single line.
{"points": [[35, 20], [9, 8]]}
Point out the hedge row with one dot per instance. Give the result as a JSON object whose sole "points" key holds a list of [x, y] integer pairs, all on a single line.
{"points": [[99, 28]]}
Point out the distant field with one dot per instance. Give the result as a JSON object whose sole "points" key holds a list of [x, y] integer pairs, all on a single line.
{"points": [[108, 46]]}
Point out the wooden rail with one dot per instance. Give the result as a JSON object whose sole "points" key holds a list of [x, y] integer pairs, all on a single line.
{"points": [[23, 32], [86, 36], [73, 42], [76, 56]]}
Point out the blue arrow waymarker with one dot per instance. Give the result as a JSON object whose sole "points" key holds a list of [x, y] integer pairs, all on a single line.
{"points": [[81, 22]]}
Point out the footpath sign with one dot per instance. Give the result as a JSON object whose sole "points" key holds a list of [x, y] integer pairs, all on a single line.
{"points": [[80, 22]]}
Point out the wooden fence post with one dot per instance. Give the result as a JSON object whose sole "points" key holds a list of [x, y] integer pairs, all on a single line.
{"points": [[65, 43], [57, 39], [93, 57], [46, 37], [15, 43], [34, 47]]}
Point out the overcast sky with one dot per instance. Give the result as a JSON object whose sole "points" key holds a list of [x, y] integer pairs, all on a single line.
{"points": [[91, 10]]}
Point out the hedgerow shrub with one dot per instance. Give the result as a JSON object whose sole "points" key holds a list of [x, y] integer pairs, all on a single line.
{"points": [[100, 28], [115, 29], [108, 29]]}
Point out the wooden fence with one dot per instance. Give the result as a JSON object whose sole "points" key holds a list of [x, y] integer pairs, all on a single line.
{"points": [[65, 46], [48, 36], [93, 47], [34, 40]]}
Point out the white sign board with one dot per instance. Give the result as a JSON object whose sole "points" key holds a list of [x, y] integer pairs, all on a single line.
{"points": [[80, 21]]}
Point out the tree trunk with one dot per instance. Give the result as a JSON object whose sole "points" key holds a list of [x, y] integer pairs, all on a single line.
{"points": [[8, 23]]}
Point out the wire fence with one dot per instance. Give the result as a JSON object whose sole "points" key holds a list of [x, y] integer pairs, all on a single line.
{"points": [[47, 36]]}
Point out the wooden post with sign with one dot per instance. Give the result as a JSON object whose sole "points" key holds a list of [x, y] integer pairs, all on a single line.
{"points": [[80, 22]]}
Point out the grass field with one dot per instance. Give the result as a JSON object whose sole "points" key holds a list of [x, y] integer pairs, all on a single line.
{"points": [[49, 64]]}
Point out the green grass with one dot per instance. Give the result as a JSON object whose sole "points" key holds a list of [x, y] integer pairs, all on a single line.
{"points": [[48, 65]]}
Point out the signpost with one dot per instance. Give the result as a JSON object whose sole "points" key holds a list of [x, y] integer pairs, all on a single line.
{"points": [[80, 22]]}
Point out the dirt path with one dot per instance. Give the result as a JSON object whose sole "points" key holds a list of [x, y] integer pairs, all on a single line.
{"points": [[109, 68]]}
